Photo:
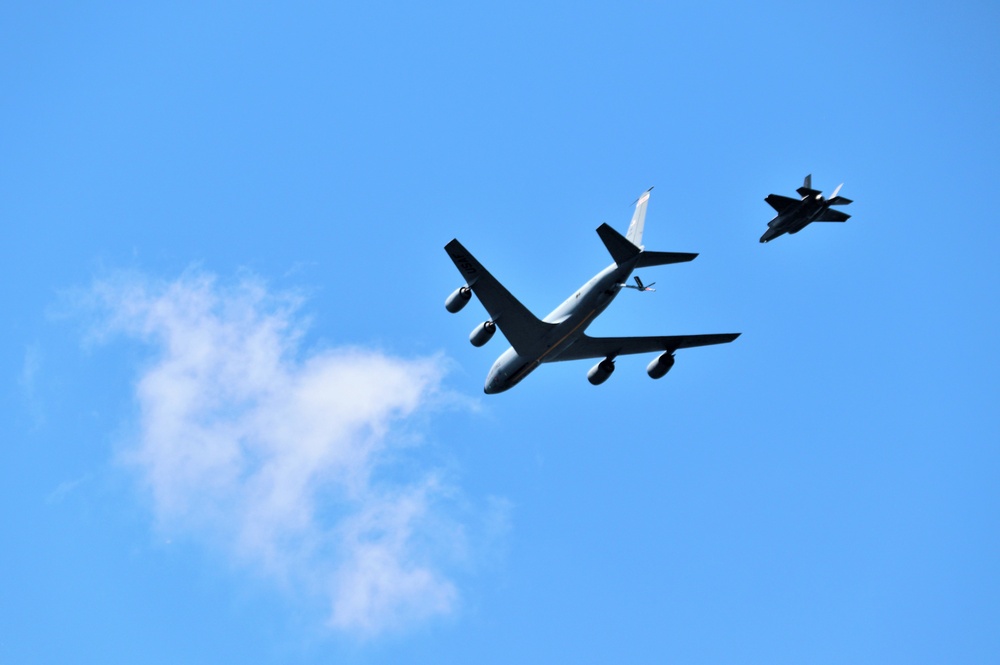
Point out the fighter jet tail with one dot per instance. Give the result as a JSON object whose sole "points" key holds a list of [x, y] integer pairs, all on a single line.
{"points": [[806, 188], [838, 200]]}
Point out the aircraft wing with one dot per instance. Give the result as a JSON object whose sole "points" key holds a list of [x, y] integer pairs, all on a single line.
{"points": [[521, 328], [604, 347], [780, 203]]}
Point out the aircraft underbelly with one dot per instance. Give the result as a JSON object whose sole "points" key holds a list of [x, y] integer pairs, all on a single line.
{"points": [[512, 367]]}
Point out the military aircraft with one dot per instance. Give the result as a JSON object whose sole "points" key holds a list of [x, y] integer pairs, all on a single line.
{"points": [[560, 335], [794, 214]]}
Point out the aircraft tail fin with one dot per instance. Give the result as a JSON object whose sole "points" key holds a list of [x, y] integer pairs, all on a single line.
{"points": [[806, 188], [620, 247], [628, 247], [635, 227], [836, 200]]}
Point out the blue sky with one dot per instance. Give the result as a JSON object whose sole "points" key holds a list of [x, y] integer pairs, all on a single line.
{"points": [[240, 423]]}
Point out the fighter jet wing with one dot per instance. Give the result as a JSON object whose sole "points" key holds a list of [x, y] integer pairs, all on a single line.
{"points": [[831, 215], [521, 328], [780, 203], [604, 347]]}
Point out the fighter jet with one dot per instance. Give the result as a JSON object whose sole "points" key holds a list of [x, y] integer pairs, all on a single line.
{"points": [[794, 214], [560, 335]]}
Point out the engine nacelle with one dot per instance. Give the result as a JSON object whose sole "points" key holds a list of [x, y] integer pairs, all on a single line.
{"points": [[659, 367], [600, 372], [482, 333], [459, 299]]}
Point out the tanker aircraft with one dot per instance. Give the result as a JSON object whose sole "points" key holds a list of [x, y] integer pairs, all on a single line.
{"points": [[560, 335], [795, 214]]}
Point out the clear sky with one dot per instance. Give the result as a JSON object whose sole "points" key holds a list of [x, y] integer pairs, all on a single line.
{"points": [[239, 425]]}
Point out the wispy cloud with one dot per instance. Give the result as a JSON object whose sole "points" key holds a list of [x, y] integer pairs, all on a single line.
{"points": [[290, 461], [65, 488], [28, 380]]}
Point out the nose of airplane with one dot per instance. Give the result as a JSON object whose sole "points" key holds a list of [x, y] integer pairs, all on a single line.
{"points": [[494, 385]]}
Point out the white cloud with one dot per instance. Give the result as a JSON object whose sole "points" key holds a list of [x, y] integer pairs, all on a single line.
{"points": [[65, 488], [288, 461], [28, 381]]}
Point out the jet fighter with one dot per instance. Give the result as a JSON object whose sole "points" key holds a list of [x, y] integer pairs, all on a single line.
{"points": [[795, 214]]}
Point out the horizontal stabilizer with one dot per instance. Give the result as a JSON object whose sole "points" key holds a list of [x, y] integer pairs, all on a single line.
{"points": [[618, 245], [781, 203], [831, 215], [647, 259], [840, 201]]}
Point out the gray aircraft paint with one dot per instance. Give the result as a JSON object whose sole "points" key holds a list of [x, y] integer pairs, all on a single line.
{"points": [[561, 335]]}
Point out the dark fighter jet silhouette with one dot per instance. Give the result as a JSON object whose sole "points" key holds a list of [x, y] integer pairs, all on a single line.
{"points": [[795, 214]]}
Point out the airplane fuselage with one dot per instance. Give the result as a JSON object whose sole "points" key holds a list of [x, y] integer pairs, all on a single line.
{"points": [[570, 320], [796, 219]]}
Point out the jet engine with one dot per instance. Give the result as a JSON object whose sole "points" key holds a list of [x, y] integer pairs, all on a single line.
{"points": [[482, 333], [459, 299], [600, 372], [660, 366]]}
